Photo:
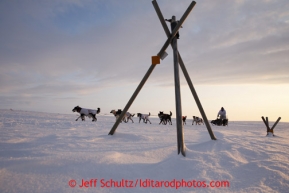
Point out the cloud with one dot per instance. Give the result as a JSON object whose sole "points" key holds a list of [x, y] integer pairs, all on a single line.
{"points": [[62, 48]]}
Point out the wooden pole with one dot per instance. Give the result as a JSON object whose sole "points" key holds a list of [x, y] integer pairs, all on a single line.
{"points": [[180, 130], [185, 72], [276, 123], [265, 122], [197, 100], [138, 89]]}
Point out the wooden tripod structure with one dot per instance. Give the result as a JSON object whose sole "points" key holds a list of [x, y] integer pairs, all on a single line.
{"points": [[177, 60], [266, 122]]}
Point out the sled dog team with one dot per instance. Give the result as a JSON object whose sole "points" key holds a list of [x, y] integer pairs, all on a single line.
{"points": [[164, 118]]}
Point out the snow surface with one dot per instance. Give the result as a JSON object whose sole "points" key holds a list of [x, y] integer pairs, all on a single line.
{"points": [[42, 152]]}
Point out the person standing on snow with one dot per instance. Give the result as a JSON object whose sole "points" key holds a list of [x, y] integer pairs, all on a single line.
{"points": [[222, 113]]}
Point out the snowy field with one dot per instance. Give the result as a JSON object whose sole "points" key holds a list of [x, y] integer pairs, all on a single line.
{"points": [[44, 152]]}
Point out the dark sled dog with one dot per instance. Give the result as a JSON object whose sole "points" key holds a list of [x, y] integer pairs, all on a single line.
{"points": [[165, 118], [184, 120]]}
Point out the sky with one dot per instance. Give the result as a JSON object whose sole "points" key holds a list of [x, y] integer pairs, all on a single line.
{"points": [[57, 54]]}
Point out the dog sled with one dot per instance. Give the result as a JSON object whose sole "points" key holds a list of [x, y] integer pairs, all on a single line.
{"points": [[220, 122]]}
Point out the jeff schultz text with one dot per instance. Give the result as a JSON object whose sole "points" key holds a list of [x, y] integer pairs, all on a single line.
{"points": [[147, 183]]}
